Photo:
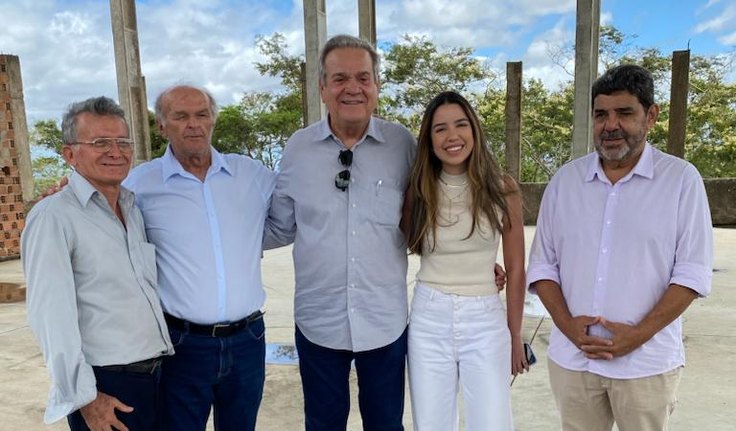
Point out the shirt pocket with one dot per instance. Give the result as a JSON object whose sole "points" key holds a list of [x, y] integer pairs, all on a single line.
{"points": [[387, 199]]}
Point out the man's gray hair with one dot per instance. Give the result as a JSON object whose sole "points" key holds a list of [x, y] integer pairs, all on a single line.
{"points": [[95, 105], [159, 106], [346, 41]]}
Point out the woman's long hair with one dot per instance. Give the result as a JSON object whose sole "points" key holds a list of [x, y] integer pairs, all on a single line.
{"points": [[486, 181]]}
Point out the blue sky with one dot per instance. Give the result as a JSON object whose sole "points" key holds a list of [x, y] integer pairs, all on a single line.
{"points": [[65, 46]]}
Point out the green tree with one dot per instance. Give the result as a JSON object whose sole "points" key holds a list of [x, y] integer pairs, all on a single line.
{"points": [[46, 133], [158, 142], [46, 162], [262, 122], [416, 69]]}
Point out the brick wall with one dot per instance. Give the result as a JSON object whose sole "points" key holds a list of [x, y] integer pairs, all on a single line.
{"points": [[12, 215]]}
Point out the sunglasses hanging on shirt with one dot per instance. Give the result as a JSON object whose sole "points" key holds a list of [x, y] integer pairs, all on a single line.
{"points": [[342, 179]]}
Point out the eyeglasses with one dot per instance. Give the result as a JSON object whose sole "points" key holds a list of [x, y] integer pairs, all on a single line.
{"points": [[103, 145], [342, 179]]}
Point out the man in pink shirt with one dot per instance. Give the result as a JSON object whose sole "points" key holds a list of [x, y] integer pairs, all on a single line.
{"points": [[623, 246]]}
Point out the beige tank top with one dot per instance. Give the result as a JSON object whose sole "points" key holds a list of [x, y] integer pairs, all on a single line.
{"points": [[459, 264]]}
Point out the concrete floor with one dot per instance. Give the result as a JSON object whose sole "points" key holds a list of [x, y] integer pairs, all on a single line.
{"points": [[707, 392]]}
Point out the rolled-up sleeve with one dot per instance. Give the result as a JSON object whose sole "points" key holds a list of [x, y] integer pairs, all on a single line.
{"points": [[52, 314], [543, 262], [694, 254]]}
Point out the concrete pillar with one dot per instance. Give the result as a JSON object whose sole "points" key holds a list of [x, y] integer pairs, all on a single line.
{"points": [[586, 70], [513, 118], [131, 85], [16, 176], [367, 20], [678, 102], [315, 36]]}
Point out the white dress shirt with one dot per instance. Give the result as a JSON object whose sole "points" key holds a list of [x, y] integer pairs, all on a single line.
{"points": [[92, 297], [208, 234], [615, 249], [349, 253]]}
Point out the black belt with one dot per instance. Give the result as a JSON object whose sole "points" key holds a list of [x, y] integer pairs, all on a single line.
{"points": [[148, 366], [217, 330]]}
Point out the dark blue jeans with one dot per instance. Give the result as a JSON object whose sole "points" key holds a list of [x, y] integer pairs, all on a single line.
{"points": [[226, 373], [138, 390], [325, 374]]}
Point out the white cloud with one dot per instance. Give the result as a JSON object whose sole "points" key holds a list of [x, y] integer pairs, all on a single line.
{"points": [[722, 23]]}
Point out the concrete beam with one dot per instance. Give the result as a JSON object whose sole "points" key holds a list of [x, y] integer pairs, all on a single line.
{"points": [[131, 85], [367, 20], [587, 31], [315, 36]]}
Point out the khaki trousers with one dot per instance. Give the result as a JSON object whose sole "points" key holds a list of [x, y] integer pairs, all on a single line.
{"points": [[589, 402]]}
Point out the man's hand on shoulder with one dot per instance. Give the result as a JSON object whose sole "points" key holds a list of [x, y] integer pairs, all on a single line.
{"points": [[100, 413], [55, 188]]}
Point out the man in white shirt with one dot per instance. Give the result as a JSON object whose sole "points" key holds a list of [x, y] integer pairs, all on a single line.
{"points": [[623, 246], [92, 299]]}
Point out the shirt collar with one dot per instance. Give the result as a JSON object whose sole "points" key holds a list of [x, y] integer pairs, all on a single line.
{"points": [[373, 131], [170, 166], [84, 191], [644, 167]]}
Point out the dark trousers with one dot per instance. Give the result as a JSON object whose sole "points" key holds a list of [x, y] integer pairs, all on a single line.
{"points": [[325, 374], [225, 373], [138, 390]]}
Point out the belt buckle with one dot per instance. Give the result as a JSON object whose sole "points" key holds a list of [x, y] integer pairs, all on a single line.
{"points": [[216, 326]]}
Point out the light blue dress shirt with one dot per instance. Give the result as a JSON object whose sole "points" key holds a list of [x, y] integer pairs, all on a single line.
{"points": [[614, 249], [91, 290], [208, 234], [350, 257]]}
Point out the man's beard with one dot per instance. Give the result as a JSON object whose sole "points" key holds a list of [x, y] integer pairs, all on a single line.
{"points": [[617, 154]]}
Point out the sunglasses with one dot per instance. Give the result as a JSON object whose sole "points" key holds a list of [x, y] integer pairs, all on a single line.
{"points": [[342, 179]]}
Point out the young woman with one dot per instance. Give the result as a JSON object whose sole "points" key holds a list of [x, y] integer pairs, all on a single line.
{"points": [[459, 206]]}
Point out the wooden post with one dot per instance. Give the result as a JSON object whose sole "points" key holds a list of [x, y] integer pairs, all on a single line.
{"points": [[678, 102], [513, 119]]}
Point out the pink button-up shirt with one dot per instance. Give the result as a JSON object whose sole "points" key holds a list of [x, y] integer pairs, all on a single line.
{"points": [[614, 249]]}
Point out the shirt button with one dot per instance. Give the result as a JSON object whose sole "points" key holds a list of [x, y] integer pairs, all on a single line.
{"points": [[352, 205], [352, 310], [600, 278], [352, 285], [353, 232], [604, 250], [608, 221], [352, 259]]}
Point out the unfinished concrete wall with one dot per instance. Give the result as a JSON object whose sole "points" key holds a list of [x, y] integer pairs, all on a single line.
{"points": [[16, 178]]}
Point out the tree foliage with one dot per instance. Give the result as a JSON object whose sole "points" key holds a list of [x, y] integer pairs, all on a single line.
{"points": [[47, 134], [416, 69], [262, 122], [47, 164]]}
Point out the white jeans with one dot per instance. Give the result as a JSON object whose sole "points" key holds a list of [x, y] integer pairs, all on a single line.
{"points": [[459, 341]]}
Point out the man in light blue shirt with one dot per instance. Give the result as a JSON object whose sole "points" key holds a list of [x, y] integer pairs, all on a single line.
{"points": [[622, 248], [92, 300], [205, 212], [339, 198]]}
